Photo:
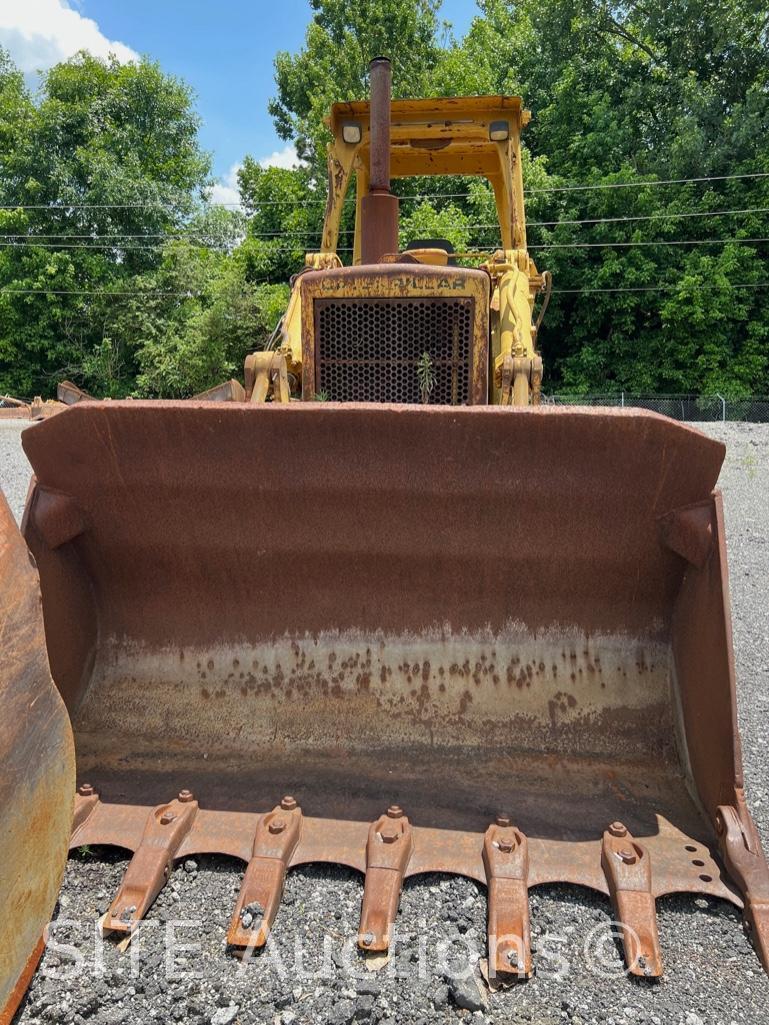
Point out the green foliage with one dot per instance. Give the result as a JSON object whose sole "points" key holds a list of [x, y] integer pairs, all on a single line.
{"points": [[425, 222], [426, 375], [341, 39], [114, 150], [625, 94], [622, 95], [198, 320]]}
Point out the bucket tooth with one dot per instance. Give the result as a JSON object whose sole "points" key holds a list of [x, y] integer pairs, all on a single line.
{"points": [[275, 840], [388, 852], [86, 799], [149, 869], [745, 862], [506, 861], [627, 867]]}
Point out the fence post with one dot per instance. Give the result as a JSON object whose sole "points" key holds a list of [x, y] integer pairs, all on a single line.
{"points": [[623, 400], [723, 407]]}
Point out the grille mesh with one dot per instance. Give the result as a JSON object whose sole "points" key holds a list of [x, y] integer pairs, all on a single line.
{"points": [[367, 350]]}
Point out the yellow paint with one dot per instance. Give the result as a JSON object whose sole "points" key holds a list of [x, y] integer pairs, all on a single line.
{"points": [[436, 137]]}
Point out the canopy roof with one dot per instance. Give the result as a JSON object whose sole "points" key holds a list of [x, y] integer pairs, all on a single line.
{"points": [[437, 136]]}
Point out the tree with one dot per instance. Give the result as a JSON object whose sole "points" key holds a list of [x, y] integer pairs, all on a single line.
{"points": [[622, 95], [103, 167], [341, 40]]}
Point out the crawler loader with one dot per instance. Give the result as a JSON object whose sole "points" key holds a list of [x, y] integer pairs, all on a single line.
{"points": [[427, 625]]}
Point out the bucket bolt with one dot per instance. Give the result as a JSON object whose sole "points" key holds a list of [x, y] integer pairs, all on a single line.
{"points": [[288, 803], [86, 790], [167, 818], [277, 825], [503, 820], [618, 829], [394, 812], [185, 796]]}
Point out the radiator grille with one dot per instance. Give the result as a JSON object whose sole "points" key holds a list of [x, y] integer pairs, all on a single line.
{"points": [[368, 350]]}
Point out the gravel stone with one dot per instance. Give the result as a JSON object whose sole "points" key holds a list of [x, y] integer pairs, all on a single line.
{"points": [[713, 976], [225, 1015], [466, 993]]}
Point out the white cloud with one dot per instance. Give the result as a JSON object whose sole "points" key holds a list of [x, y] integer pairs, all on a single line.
{"points": [[225, 191], [39, 33], [285, 157]]}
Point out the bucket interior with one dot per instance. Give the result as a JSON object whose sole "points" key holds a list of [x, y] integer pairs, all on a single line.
{"points": [[453, 610]]}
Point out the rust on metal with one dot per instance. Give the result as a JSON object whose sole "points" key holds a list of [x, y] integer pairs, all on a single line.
{"points": [[506, 861], [148, 872], [229, 391], [594, 663], [628, 869], [689, 533], [57, 517], [275, 839], [388, 852], [38, 773], [379, 209], [348, 312], [69, 393], [86, 800], [746, 863], [351, 363]]}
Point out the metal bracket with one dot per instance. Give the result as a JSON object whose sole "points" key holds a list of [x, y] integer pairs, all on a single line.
{"points": [[57, 517], [388, 852], [150, 867], [689, 532], [627, 867], [265, 371], [86, 799], [275, 840], [506, 860], [516, 372], [745, 862]]}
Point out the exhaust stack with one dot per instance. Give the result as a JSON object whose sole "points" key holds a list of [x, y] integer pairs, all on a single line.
{"points": [[379, 209]]}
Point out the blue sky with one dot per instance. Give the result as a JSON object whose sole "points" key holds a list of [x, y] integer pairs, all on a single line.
{"points": [[223, 48]]}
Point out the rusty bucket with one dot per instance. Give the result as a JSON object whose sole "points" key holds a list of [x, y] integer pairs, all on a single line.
{"points": [[485, 641]]}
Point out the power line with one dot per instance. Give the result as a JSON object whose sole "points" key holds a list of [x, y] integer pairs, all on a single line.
{"points": [[207, 240], [654, 288], [88, 291], [134, 248], [658, 242], [643, 184], [63, 207], [646, 217], [348, 249]]}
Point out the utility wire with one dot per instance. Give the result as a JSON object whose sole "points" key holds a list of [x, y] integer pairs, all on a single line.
{"points": [[348, 249], [644, 184], [317, 232], [658, 242], [653, 288], [647, 217], [64, 207], [88, 291]]}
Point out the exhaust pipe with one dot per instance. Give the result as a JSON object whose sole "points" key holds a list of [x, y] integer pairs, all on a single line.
{"points": [[379, 209]]}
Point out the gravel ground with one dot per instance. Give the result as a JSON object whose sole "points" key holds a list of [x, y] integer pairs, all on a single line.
{"points": [[712, 974]]}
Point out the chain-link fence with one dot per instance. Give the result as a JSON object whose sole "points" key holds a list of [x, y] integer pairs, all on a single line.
{"points": [[690, 408]]}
